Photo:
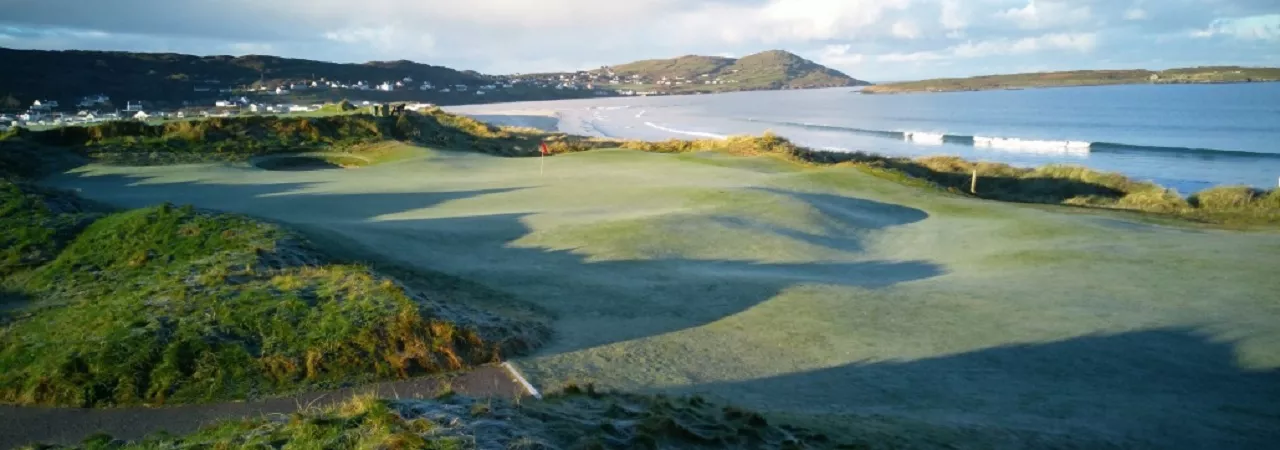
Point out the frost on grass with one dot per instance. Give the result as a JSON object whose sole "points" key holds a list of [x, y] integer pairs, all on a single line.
{"points": [[172, 305], [574, 419]]}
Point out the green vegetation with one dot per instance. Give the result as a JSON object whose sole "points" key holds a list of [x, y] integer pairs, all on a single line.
{"points": [[576, 418], [167, 304], [773, 69], [347, 137], [1229, 74], [172, 78]]}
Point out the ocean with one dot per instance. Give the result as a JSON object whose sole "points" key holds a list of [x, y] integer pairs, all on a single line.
{"points": [[1188, 137]]}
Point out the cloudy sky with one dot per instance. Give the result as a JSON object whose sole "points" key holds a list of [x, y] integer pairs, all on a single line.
{"points": [[879, 40]]}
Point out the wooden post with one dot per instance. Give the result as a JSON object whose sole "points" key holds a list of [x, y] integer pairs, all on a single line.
{"points": [[973, 185]]}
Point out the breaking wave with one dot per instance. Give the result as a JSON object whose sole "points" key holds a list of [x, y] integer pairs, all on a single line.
{"points": [[690, 133], [1013, 144]]}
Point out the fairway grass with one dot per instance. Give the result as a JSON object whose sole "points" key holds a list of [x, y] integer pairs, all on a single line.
{"points": [[813, 291]]}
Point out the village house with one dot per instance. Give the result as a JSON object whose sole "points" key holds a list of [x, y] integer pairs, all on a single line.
{"points": [[224, 104], [94, 100], [386, 87], [141, 115]]}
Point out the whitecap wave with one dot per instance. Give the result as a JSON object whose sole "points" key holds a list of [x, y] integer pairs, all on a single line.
{"points": [[917, 137], [690, 133], [1032, 145]]}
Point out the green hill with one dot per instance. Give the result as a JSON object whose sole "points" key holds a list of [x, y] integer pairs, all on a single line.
{"points": [[774, 69], [66, 76], [1189, 75]]}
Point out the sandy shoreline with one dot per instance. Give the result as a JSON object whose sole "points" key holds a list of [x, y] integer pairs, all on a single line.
{"points": [[542, 119]]}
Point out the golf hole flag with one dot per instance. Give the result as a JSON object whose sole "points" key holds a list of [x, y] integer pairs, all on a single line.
{"points": [[542, 162]]}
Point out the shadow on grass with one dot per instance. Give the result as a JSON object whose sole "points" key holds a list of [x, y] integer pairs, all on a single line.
{"points": [[1166, 388], [678, 292]]}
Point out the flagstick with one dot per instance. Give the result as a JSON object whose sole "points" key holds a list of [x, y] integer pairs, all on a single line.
{"points": [[542, 167]]}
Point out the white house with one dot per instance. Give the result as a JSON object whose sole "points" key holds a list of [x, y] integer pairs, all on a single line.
{"points": [[41, 106], [445, 90], [386, 87], [224, 104], [298, 108], [408, 79], [479, 92], [255, 108], [281, 91], [141, 115]]}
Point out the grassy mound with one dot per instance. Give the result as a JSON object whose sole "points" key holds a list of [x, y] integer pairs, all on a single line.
{"points": [[168, 304], [573, 419], [37, 224]]}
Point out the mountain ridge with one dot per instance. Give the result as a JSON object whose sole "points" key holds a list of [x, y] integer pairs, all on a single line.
{"points": [[172, 78]]}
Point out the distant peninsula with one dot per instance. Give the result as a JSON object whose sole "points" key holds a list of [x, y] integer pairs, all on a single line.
{"points": [[692, 74], [1190, 75]]}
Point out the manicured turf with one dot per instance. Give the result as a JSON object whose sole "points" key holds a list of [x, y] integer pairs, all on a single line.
{"points": [[814, 290]]}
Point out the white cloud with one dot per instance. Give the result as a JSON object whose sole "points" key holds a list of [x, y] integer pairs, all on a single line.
{"points": [[906, 29], [953, 16], [839, 56], [1046, 14], [1254, 28], [1135, 13], [1073, 42], [783, 21]]}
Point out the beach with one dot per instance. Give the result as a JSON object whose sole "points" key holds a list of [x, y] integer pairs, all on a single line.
{"points": [[1188, 137]]}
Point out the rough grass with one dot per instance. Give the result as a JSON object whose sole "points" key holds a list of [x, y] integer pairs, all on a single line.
{"points": [[168, 304], [574, 419], [244, 138], [37, 224]]}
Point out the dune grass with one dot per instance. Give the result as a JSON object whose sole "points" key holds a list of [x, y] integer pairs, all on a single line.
{"points": [[573, 419], [237, 139], [173, 305]]}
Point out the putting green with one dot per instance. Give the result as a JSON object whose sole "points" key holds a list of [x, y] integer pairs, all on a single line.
{"points": [[816, 291]]}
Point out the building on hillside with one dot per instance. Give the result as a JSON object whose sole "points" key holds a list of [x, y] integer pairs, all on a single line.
{"points": [[94, 100], [281, 91], [408, 79], [131, 106], [446, 90], [479, 92], [141, 115], [39, 105], [224, 104]]}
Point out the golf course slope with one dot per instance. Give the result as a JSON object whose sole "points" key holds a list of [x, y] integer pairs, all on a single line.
{"points": [[880, 313]]}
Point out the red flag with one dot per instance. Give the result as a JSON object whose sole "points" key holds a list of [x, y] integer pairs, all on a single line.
{"points": [[545, 150]]}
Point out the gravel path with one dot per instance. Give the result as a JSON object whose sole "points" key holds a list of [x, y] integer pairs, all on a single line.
{"points": [[26, 425]]}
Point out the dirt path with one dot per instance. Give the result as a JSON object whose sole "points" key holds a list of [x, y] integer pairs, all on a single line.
{"points": [[26, 425]]}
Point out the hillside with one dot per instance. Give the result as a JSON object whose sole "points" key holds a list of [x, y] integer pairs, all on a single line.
{"points": [[66, 76], [1190, 75], [774, 69]]}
